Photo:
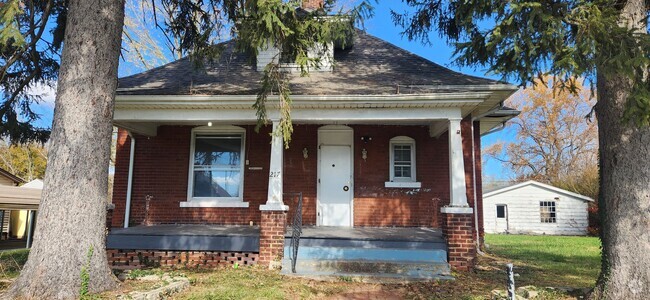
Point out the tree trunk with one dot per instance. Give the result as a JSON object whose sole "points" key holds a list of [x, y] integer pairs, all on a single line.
{"points": [[624, 199], [71, 218]]}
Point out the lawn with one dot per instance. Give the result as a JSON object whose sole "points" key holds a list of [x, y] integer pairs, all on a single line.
{"points": [[550, 260], [542, 261]]}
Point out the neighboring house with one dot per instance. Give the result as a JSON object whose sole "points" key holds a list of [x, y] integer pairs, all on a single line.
{"points": [[381, 154], [532, 207], [18, 207], [8, 179]]}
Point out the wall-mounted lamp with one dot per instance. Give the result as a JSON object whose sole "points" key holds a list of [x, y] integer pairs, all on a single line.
{"points": [[364, 154], [366, 139], [305, 153], [209, 123]]}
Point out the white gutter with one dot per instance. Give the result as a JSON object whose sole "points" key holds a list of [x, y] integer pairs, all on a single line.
{"points": [[476, 227], [129, 185]]}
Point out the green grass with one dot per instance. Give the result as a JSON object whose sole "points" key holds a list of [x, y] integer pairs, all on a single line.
{"points": [[11, 262], [542, 261], [549, 260]]}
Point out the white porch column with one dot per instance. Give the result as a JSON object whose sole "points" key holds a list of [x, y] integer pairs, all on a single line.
{"points": [[457, 192], [274, 199]]}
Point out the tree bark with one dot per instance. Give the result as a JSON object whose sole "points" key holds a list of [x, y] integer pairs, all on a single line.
{"points": [[624, 199], [72, 212]]}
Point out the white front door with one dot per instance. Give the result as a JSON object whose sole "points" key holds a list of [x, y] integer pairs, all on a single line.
{"points": [[502, 218], [335, 201]]}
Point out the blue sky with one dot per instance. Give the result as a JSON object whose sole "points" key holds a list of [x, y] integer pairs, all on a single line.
{"points": [[381, 25]]}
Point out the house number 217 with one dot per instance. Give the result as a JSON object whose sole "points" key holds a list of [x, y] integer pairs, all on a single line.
{"points": [[274, 174]]}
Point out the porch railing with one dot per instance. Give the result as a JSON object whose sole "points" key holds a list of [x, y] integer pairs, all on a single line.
{"points": [[296, 230]]}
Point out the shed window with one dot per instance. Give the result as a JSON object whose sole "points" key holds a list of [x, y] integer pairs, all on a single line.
{"points": [[501, 211], [547, 212]]}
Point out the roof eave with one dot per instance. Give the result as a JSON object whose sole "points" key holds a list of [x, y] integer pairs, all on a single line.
{"points": [[539, 184]]}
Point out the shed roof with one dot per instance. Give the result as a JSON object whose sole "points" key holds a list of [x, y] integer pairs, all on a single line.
{"points": [[539, 185], [370, 67]]}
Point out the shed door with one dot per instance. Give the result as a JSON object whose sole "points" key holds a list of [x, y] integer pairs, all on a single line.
{"points": [[502, 218], [335, 203]]}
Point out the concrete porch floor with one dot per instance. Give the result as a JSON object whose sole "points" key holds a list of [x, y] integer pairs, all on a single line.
{"points": [[189, 229], [356, 233]]}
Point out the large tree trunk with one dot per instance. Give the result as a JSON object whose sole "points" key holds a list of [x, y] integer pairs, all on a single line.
{"points": [[625, 185], [71, 218]]}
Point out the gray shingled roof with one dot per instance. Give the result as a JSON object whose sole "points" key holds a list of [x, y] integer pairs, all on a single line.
{"points": [[371, 66]]}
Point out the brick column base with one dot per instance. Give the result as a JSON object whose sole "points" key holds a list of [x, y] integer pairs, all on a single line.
{"points": [[461, 249], [272, 228]]}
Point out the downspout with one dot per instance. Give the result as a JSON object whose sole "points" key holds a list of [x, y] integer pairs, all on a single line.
{"points": [[129, 184], [476, 227]]}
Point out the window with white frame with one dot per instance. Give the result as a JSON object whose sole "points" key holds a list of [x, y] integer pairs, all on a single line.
{"points": [[547, 212], [402, 159], [216, 166]]}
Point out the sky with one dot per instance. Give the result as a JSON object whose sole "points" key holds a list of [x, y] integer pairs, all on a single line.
{"points": [[381, 25]]}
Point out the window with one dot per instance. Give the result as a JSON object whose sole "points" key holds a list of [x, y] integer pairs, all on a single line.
{"points": [[501, 211], [216, 167], [402, 163], [547, 211]]}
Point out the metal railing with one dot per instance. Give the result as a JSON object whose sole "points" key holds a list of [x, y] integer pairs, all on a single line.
{"points": [[296, 230]]}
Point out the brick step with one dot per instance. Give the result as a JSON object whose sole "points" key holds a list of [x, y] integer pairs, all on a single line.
{"points": [[369, 270]]}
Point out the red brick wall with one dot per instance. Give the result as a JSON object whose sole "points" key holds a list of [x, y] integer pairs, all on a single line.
{"points": [[479, 178], [375, 205], [461, 250], [161, 170], [122, 148], [300, 174], [466, 131], [272, 227]]}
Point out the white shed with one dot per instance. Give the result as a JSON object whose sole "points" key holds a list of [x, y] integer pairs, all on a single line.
{"points": [[532, 207]]}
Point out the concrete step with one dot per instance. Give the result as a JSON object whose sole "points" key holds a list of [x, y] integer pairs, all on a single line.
{"points": [[359, 243], [368, 254], [363, 269]]}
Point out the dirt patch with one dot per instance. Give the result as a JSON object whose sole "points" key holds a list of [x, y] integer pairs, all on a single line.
{"points": [[370, 292]]}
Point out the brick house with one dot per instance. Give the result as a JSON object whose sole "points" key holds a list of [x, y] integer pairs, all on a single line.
{"points": [[385, 156]]}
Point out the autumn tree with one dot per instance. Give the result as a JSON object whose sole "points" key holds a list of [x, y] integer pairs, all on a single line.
{"points": [[604, 41], [26, 161], [556, 140]]}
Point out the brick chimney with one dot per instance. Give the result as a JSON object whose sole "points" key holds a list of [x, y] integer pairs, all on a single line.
{"points": [[311, 5]]}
